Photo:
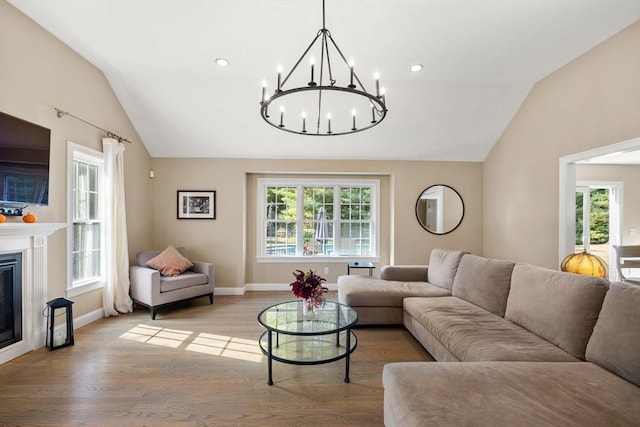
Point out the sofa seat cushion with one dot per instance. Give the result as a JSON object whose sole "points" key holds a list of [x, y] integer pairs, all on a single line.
{"points": [[185, 280], [560, 307], [471, 333], [507, 394], [359, 291]]}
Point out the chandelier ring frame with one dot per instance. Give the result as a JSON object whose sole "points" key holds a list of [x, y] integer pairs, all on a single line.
{"points": [[380, 109]]}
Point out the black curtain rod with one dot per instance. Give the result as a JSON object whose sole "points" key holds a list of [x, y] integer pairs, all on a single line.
{"points": [[110, 134]]}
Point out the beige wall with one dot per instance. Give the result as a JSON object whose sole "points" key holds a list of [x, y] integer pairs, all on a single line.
{"points": [[37, 73], [511, 205], [226, 240], [593, 101], [629, 176]]}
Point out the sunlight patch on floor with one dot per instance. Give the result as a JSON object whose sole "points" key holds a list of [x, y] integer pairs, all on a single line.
{"points": [[170, 338], [211, 344], [141, 333], [221, 345]]}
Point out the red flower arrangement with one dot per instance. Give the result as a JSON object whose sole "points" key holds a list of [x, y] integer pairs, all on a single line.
{"points": [[308, 286]]}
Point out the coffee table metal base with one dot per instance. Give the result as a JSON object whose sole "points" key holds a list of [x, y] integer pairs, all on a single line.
{"points": [[298, 335], [308, 349]]}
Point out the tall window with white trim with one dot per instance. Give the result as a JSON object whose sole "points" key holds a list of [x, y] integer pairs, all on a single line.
{"points": [[317, 218], [86, 218]]}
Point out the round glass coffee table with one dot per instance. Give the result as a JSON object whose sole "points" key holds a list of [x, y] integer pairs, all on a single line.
{"points": [[294, 336]]}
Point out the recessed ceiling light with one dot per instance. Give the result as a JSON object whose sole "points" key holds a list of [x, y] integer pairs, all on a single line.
{"points": [[222, 62], [416, 67]]}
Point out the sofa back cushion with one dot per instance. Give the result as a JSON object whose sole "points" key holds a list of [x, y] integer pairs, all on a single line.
{"points": [[443, 265], [615, 342], [560, 307], [484, 282]]}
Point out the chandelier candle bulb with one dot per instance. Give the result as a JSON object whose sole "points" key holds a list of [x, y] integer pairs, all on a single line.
{"points": [[264, 91], [279, 77], [329, 123], [282, 116], [351, 85], [376, 77], [266, 99], [373, 114], [353, 114], [312, 62], [304, 122]]}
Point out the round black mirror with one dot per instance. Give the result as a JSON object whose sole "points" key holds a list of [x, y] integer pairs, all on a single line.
{"points": [[439, 209]]}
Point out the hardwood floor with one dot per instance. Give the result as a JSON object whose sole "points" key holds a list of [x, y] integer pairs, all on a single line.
{"points": [[196, 364]]}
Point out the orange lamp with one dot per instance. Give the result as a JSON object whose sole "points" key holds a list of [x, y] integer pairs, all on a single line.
{"points": [[584, 263]]}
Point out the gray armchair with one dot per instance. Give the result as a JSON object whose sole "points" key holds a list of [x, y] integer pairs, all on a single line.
{"points": [[150, 289]]}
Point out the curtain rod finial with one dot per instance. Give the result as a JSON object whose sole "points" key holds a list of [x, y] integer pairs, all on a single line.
{"points": [[110, 134]]}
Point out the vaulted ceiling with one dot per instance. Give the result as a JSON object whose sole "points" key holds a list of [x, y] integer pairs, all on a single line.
{"points": [[480, 57]]}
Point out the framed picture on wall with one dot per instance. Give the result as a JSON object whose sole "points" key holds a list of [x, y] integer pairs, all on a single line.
{"points": [[196, 204]]}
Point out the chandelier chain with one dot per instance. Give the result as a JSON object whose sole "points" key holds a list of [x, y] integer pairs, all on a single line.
{"points": [[324, 26]]}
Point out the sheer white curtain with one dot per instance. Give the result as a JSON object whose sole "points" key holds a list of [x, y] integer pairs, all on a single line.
{"points": [[116, 288]]}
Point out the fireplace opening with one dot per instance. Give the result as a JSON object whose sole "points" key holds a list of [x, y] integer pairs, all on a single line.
{"points": [[10, 299]]}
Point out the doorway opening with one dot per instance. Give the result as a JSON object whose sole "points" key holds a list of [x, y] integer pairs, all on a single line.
{"points": [[567, 199], [598, 220]]}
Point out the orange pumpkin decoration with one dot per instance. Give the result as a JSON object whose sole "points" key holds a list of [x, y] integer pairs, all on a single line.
{"points": [[584, 263], [2, 218], [29, 218]]}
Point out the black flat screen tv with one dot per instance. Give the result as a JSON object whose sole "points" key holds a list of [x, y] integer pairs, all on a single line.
{"points": [[24, 162]]}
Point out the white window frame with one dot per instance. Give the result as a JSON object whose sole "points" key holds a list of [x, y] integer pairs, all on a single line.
{"points": [[93, 157], [264, 183]]}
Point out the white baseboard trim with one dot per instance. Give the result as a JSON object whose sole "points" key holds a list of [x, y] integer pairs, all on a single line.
{"points": [[85, 319], [227, 290], [281, 286]]}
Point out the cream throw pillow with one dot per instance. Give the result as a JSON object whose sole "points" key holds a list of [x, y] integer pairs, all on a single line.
{"points": [[170, 262]]}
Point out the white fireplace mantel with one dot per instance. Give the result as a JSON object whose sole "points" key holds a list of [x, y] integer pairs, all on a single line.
{"points": [[13, 229], [31, 241]]}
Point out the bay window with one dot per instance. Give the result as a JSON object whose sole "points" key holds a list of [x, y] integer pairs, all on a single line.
{"points": [[317, 218]]}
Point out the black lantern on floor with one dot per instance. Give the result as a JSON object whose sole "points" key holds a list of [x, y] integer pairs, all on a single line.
{"points": [[53, 305]]}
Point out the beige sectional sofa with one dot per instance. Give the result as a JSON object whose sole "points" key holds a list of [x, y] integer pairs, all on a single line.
{"points": [[540, 347], [379, 301]]}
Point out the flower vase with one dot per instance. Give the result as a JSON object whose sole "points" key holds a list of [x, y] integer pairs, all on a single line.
{"points": [[308, 309]]}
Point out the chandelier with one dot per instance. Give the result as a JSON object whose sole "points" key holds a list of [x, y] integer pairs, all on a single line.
{"points": [[337, 103]]}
